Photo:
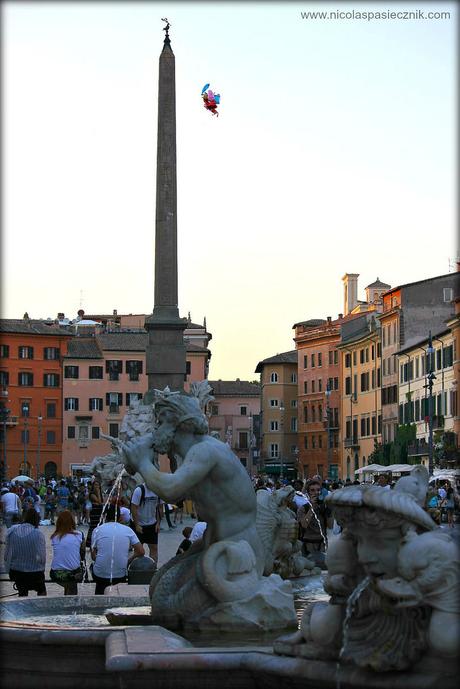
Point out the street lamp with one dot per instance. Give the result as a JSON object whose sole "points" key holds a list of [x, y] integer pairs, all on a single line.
{"points": [[281, 408], [431, 377], [39, 421], [25, 413]]}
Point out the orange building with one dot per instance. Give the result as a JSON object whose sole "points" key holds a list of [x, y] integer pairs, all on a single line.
{"points": [[31, 353]]}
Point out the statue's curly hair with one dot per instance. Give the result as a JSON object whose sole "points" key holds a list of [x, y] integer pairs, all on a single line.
{"points": [[185, 409]]}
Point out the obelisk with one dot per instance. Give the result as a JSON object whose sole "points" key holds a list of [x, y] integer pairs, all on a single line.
{"points": [[166, 351]]}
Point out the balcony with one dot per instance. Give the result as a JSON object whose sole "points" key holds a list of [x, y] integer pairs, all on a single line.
{"points": [[418, 449], [114, 409], [351, 442]]}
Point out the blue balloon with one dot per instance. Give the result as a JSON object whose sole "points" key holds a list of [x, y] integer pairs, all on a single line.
{"points": [[217, 97], [206, 86]]}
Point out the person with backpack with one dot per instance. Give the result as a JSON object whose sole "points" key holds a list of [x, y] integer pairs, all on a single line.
{"points": [[30, 497], [146, 513], [68, 553]]}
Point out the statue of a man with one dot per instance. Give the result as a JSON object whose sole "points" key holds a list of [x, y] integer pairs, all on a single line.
{"points": [[207, 472], [218, 582]]}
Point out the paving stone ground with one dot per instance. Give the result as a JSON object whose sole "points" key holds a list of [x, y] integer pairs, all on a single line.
{"points": [[168, 542]]}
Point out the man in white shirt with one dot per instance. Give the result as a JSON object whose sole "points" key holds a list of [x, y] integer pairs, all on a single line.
{"points": [[146, 513], [298, 498], [198, 531], [10, 506], [110, 545]]}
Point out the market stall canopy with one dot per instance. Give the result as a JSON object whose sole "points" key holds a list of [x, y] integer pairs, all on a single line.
{"points": [[21, 479], [371, 468]]}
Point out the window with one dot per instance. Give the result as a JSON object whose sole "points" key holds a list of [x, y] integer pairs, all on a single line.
{"points": [[305, 442], [374, 425], [114, 400], [243, 411], [4, 378], [4, 351], [134, 369], [417, 411], [51, 353], [71, 404], [132, 398], [313, 442], [439, 359], [367, 354], [273, 425], [347, 360], [361, 356], [313, 414], [320, 412], [313, 386], [214, 410], [25, 409], [372, 352], [447, 294], [354, 358], [365, 381], [330, 384], [320, 441], [336, 357], [313, 361], [51, 437], [305, 414], [379, 350], [320, 384], [336, 383], [188, 368], [51, 410], [70, 432], [273, 377], [95, 372], [305, 387], [305, 361], [95, 404], [320, 359], [113, 430], [293, 377], [25, 437], [348, 385], [330, 357], [26, 352], [95, 432], [51, 380], [113, 368], [274, 403], [348, 429], [274, 450], [243, 440], [294, 404], [294, 424], [70, 371], [448, 358], [26, 379], [372, 379]]}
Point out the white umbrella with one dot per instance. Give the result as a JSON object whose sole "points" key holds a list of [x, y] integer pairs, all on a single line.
{"points": [[21, 479]]}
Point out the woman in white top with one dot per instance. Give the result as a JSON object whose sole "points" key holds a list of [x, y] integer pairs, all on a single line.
{"points": [[68, 551]]}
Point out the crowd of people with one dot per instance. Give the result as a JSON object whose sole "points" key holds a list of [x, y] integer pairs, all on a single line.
{"points": [[119, 529]]}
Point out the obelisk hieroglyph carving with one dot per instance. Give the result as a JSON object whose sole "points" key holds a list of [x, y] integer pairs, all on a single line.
{"points": [[166, 351]]}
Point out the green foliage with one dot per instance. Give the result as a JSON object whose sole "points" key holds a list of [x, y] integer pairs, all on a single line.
{"points": [[396, 451]]}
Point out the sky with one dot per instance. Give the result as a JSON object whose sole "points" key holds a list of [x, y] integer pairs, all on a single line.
{"points": [[334, 152]]}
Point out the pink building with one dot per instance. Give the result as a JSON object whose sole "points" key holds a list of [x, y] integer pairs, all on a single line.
{"points": [[235, 415], [102, 375]]}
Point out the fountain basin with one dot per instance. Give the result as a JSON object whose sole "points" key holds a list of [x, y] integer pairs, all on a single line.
{"points": [[39, 652]]}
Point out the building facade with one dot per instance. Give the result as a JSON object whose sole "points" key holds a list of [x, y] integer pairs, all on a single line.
{"points": [[31, 356], [234, 415], [278, 385], [414, 364], [410, 311], [360, 385]]}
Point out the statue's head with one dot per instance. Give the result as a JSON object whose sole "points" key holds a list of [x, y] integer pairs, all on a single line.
{"points": [[177, 411], [379, 519]]}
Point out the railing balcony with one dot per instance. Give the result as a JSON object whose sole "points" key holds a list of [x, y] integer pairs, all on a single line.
{"points": [[420, 447], [351, 442], [114, 409]]}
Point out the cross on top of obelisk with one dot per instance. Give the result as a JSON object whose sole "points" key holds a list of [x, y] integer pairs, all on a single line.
{"points": [[166, 28]]}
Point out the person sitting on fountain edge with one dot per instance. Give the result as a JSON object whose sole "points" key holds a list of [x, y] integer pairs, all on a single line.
{"points": [[110, 545]]}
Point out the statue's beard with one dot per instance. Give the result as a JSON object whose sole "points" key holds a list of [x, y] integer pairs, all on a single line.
{"points": [[163, 439]]}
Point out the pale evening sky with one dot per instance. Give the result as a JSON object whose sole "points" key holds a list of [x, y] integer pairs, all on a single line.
{"points": [[334, 152]]}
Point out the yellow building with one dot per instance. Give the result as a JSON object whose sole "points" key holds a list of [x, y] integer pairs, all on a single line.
{"points": [[414, 392], [279, 445], [361, 413]]}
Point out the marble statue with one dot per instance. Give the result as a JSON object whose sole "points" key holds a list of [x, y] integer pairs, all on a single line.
{"points": [[218, 582], [399, 574], [278, 530]]}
